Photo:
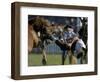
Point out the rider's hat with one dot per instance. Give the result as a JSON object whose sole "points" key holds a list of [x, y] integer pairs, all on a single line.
{"points": [[68, 26]]}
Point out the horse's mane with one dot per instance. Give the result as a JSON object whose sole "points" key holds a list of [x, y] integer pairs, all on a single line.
{"points": [[39, 22]]}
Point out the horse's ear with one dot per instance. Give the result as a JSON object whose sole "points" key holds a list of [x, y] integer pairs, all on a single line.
{"points": [[30, 22]]}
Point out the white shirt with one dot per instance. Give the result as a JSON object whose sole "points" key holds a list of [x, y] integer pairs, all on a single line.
{"points": [[79, 45]]}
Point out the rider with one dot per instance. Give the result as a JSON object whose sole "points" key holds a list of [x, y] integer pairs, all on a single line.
{"points": [[69, 41], [73, 40], [68, 37]]}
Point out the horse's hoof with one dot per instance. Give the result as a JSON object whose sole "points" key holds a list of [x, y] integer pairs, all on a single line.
{"points": [[44, 62]]}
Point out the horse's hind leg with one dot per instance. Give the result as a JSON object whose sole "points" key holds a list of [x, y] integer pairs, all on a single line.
{"points": [[44, 59], [83, 58], [72, 58]]}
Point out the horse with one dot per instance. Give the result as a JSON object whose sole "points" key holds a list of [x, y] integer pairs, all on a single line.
{"points": [[39, 30], [33, 39]]}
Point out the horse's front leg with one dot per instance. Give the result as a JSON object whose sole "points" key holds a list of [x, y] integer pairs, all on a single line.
{"points": [[44, 59]]}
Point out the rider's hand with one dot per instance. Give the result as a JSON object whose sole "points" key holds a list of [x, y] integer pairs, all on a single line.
{"points": [[69, 45]]}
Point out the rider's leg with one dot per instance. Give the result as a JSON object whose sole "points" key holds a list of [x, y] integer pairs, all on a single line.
{"points": [[63, 56]]}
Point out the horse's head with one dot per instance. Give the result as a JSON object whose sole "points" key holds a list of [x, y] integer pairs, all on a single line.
{"points": [[37, 23], [45, 28], [41, 26]]}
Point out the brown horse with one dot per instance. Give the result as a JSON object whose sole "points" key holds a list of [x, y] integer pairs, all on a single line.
{"points": [[33, 39], [38, 30]]}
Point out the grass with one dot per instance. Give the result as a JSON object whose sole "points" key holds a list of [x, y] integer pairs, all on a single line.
{"points": [[54, 59]]}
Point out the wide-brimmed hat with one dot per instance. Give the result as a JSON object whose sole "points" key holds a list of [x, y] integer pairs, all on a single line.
{"points": [[68, 26]]}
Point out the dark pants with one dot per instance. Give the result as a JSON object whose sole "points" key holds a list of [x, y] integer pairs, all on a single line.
{"points": [[63, 56], [65, 47], [62, 46]]}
